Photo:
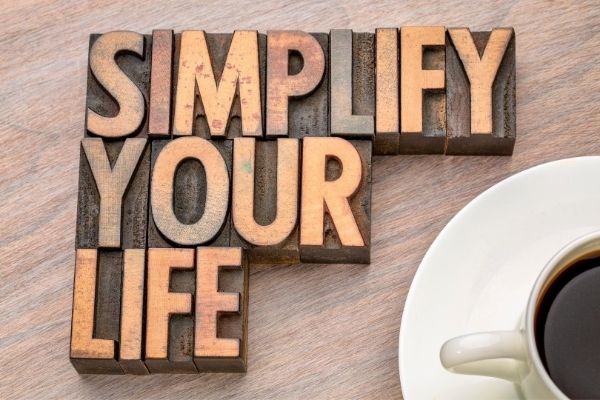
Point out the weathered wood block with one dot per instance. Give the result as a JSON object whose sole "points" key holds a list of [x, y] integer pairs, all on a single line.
{"points": [[387, 92], [265, 200], [132, 312], [113, 194], [480, 82], [183, 204], [161, 81], [352, 97], [219, 86], [422, 90], [95, 321], [117, 84], [170, 313], [221, 337], [297, 84], [335, 225]]}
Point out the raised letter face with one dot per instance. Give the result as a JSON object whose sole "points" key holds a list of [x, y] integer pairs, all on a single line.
{"points": [[422, 98], [112, 184], [481, 72], [352, 83], [131, 102], [88, 354], [244, 179], [217, 191], [280, 85], [336, 187], [227, 352], [387, 89], [241, 75], [132, 312], [162, 304], [160, 83]]}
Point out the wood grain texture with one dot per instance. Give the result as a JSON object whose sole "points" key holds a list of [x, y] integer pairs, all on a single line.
{"points": [[314, 332]]}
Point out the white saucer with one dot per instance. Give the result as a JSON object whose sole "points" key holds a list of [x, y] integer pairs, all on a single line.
{"points": [[477, 274]]}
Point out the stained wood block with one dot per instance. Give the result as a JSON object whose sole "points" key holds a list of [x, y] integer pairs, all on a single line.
{"points": [[95, 321], [387, 92], [265, 200], [132, 312], [117, 85], [422, 93], [113, 193], [297, 84], [221, 337], [335, 224], [220, 84], [181, 214], [169, 312], [352, 98], [480, 80], [161, 78]]}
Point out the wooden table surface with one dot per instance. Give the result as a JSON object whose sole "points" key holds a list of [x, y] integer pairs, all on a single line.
{"points": [[315, 331]]}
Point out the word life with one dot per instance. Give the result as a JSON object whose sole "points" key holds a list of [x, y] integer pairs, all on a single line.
{"points": [[206, 153]]}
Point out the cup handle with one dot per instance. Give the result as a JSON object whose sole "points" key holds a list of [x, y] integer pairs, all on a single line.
{"points": [[498, 354]]}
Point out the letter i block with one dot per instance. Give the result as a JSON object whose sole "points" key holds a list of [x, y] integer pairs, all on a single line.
{"points": [[219, 84], [117, 85], [480, 80], [297, 84], [335, 224]]}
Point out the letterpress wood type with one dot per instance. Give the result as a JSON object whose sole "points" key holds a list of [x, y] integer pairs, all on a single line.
{"points": [[161, 77], [93, 332], [422, 94], [387, 92], [297, 84], [132, 312], [220, 85], [335, 223], [169, 312], [480, 80], [112, 208], [117, 85], [352, 98], [182, 211], [265, 199], [221, 337]]}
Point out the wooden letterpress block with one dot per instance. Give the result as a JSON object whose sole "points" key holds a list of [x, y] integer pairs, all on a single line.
{"points": [[169, 313], [297, 84], [183, 212], [113, 193], [221, 336], [132, 312], [352, 100], [480, 82], [265, 199], [159, 112], [95, 321], [117, 86], [387, 92], [422, 94], [335, 224], [220, 84]]}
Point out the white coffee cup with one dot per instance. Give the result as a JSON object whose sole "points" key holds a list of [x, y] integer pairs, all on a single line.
{"points": [[513, 355]]}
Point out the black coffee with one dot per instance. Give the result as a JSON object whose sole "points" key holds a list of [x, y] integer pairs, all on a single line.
{"points": [[568, 330]]}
